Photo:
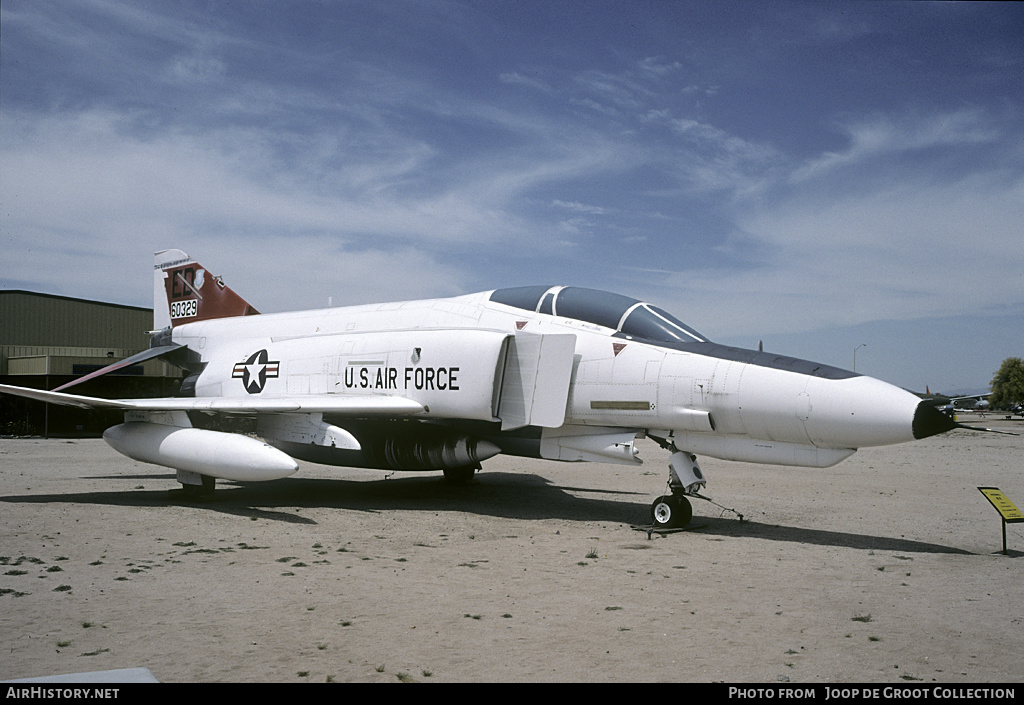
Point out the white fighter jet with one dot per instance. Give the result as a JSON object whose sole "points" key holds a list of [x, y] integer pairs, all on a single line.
{"points": [[562, 373]]}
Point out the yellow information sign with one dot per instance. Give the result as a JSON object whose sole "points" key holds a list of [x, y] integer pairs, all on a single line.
{"points": [[1007, 509]]}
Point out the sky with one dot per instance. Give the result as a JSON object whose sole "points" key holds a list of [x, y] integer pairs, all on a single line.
{"points": [[843, 181]]}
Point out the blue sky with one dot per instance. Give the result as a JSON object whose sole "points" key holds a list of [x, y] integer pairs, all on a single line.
{"points": [[816, 175]]}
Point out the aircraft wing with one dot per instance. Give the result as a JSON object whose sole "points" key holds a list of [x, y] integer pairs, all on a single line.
{"points": [[149, 354], [349, 405]]}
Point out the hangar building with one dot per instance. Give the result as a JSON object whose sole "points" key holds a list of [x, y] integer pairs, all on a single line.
{"points": [[47, 341]]}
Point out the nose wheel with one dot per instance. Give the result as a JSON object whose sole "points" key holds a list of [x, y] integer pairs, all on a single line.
{"points": [[671, 511], [674, 511]]}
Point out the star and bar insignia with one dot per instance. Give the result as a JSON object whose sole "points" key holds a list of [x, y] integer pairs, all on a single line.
{"points": [[255, 371]]}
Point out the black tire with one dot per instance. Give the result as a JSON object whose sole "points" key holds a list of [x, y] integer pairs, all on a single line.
{"points": [[460, 476], [199, 492], [671, 512]]}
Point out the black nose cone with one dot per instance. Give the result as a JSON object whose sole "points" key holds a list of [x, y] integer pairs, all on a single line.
{"points": [[929, 421]]}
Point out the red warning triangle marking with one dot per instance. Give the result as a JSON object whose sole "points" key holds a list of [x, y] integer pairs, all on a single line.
{"points": [[520, 325], [617, 348]]}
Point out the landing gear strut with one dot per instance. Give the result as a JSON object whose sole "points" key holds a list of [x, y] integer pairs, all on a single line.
{"points": [[196, 487], [674, 511]]}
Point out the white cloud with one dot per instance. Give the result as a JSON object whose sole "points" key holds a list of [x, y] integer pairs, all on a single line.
{"points": [[193, 68], [100, 182], [659, 67], [579, 207], [881, 136], [514, 78], [84, 171], [919, 250]]}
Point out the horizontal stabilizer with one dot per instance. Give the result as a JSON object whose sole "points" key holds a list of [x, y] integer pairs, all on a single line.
{"points": [[149, 354]]}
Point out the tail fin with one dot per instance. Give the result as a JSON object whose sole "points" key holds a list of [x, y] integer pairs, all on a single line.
{"points": [[185, 292]]}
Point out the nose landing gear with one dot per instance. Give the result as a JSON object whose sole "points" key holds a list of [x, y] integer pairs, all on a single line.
{"points": [[673, 511], [685, 480]]}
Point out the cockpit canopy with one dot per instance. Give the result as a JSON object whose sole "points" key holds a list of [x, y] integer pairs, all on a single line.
{"points": [[628, 316]]}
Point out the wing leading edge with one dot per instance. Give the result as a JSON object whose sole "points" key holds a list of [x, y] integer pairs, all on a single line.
{"points": [[349, 405]]}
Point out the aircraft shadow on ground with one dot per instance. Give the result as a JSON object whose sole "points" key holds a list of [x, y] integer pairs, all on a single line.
{"points": [[509, 495], [820, 537]]}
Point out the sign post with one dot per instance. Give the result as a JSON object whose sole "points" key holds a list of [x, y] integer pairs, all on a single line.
{"points": [[1007, 509]]}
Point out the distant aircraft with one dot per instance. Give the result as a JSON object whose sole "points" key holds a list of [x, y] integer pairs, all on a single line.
{"points": [[562, 373], [971, 402]]}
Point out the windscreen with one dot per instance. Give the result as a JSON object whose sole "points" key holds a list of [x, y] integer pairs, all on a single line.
{"points": [[652, 323]]}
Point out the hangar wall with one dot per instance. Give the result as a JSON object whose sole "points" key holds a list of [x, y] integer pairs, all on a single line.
{"points": [[48, 340]]}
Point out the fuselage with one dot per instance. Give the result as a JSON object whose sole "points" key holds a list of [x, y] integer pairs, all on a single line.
{"points": [[630, 368]]}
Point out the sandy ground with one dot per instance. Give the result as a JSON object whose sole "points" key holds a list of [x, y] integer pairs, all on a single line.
{"points": [[885, 568]]}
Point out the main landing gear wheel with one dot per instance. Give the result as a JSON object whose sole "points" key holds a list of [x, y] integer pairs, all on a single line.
{"points": [[460, 476], [201, 492], [671, 512]]}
